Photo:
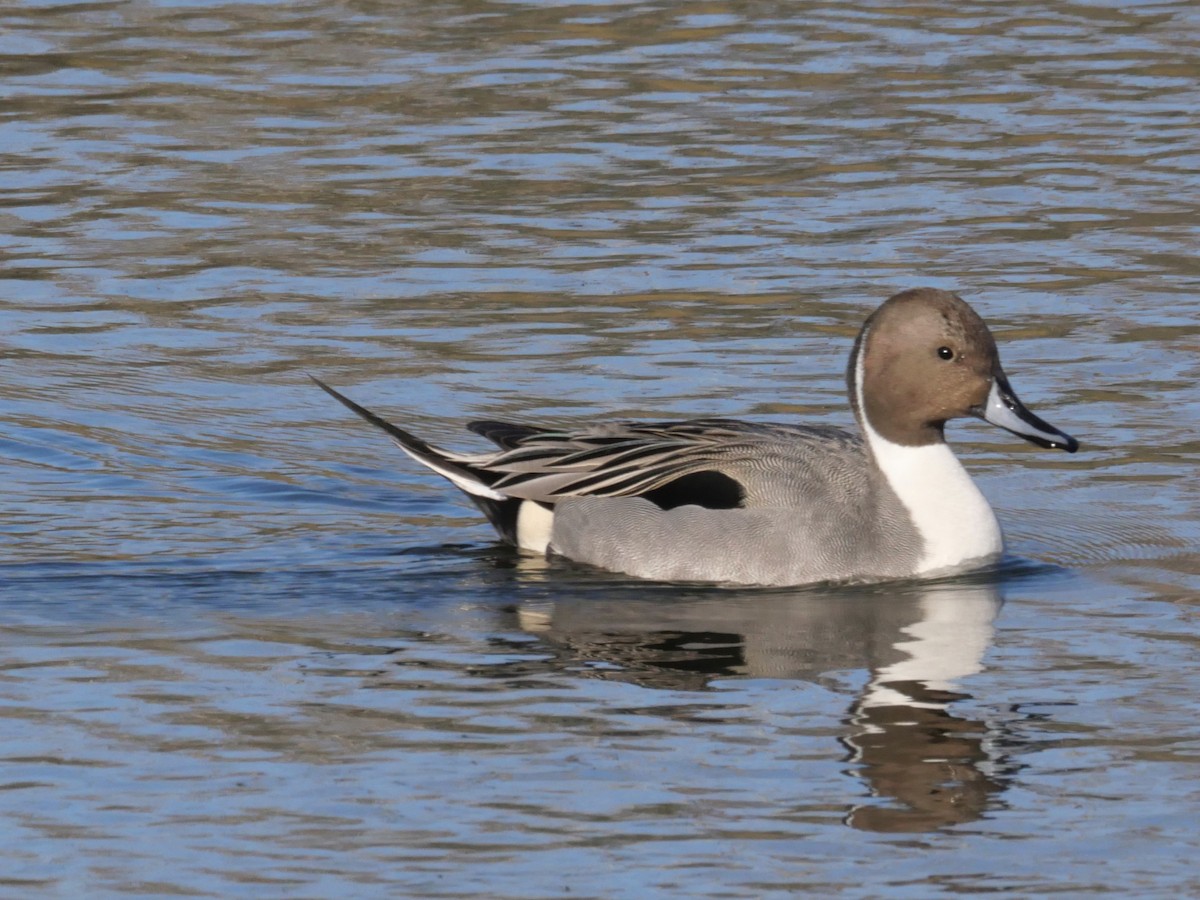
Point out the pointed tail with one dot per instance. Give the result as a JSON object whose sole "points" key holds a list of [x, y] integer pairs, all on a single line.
{"points": [[474, 481]]}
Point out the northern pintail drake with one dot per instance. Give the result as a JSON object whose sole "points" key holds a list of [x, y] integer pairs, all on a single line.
{"points": [[721, 500]]}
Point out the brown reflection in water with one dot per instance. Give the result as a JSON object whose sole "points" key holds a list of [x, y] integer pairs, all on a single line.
{"points": [[929, 761], [931, 768]]}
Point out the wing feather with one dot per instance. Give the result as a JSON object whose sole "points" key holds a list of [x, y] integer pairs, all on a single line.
{"points": [[619, 459]]}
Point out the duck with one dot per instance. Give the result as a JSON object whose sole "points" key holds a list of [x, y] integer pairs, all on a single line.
{"points": [[727, 501]]}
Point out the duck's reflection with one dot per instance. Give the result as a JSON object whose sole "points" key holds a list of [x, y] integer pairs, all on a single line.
{"points": [[914, 642], [909, 745]]}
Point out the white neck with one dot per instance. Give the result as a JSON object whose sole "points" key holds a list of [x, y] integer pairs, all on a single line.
{"points": [[954, 519]]}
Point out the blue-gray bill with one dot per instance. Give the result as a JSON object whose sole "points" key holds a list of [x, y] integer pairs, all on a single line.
{"points": [[1005, 410]]}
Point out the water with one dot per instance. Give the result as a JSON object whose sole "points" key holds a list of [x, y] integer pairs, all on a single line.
{"points": [[249, 650]]}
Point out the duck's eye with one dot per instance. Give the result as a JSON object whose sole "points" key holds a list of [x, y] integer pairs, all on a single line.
{"points": [[945, 353]]}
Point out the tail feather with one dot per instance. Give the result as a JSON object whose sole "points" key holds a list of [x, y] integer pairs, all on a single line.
{"points": [[475, 482]]}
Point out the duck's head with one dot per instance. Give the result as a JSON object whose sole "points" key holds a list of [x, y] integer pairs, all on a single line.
{"points": [[925, 357]]}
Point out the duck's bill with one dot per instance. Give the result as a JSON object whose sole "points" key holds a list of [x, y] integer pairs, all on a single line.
{"points": [[1006, 411]]}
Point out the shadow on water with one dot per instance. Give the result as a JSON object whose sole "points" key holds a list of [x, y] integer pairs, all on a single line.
{"points": [[909, 644]]}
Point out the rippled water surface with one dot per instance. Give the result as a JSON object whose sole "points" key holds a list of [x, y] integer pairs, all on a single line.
{"points": [[249, 650]]}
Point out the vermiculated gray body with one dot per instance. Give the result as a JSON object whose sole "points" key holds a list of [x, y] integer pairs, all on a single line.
{"points": [[808, 514]]}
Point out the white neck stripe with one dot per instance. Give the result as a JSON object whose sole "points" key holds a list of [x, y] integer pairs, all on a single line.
{"points": [[954, 519]]}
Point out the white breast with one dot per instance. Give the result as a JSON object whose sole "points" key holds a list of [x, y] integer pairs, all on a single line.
{"points": [[954, 519], [951, 514]]}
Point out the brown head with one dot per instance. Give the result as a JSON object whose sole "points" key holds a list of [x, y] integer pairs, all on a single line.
{"points": [[925, 357]]}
